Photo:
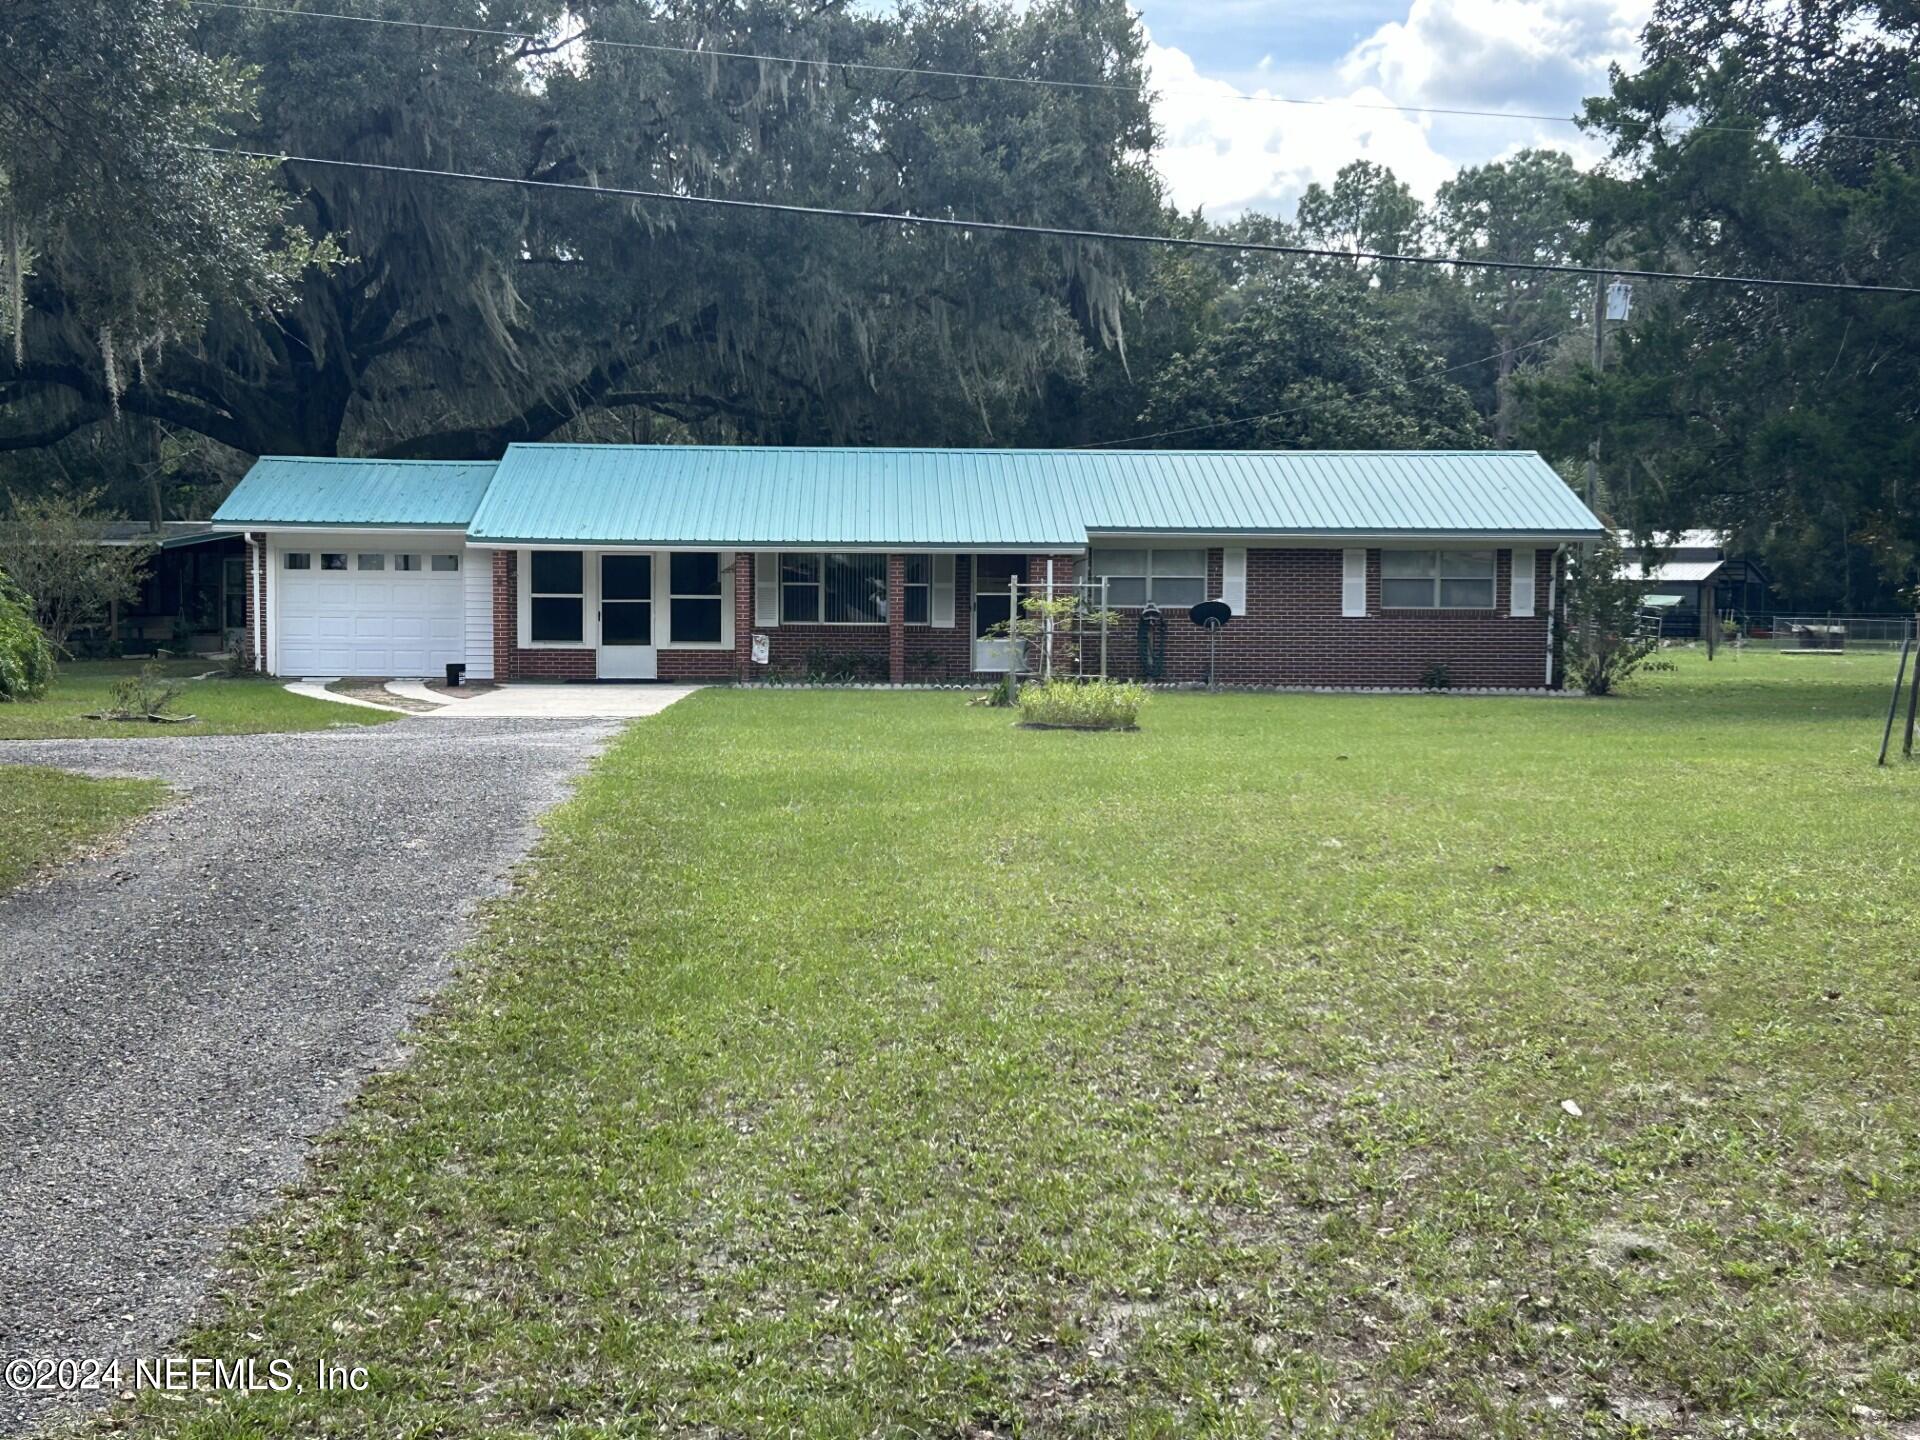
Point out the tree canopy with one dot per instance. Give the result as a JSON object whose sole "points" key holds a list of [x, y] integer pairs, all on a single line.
{"points": [[173, 310]]}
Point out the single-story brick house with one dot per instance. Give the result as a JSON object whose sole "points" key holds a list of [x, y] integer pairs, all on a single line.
{"points": [[584, 562]]}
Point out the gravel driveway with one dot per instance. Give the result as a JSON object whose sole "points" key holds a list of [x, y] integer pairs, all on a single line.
{"points": [[178, 1018]]}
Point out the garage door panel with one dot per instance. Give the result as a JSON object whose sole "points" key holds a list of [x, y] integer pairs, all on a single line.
{"points": [[408, 622]]}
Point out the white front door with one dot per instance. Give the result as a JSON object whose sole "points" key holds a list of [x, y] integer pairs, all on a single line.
{"points": [[992, 604], [627, 648]]}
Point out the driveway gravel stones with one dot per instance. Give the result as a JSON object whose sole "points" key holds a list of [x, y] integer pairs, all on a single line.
{"points": [[180, 1015]]}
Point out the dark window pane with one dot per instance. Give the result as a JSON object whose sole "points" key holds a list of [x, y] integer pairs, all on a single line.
{"points": [[331, 561], [1467, 594], [626, 622], [446, 562], [919, 568], [916, 605], [371, 560], [799, 569], [556, 622], [856, 589], [696, 622], [557, 572], [1167, 591], [299, 560], [1406, 594], [799, 604], [691, 573], [626, 577]]}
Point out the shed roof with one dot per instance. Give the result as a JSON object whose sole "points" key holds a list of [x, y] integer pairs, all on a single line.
{"points": [[1681, 572], [310, 490], [761, 495]]}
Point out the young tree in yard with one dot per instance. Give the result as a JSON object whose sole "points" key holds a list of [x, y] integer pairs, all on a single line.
{"points": [[51, 547], [1603, 642]]}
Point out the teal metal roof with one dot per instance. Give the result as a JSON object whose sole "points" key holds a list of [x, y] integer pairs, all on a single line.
{"points": [[303, 490], [1011, 499], [762, 495]]}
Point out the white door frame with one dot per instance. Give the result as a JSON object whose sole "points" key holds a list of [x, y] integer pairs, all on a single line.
{"points": [[989, 657], [626, 661]]}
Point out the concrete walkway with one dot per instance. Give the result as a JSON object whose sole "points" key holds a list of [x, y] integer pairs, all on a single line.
{"points": [[547, 702]]}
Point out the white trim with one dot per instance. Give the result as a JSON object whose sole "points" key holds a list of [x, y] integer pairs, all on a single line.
{"points": [[1520, 596], [1331, 539], [523, 604], [1233, 578], [1353, 582], [940, 594], [766, 590], [663, 590]]}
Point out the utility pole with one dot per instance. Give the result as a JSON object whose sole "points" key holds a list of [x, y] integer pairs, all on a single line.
{"points": [[1599, 364]]}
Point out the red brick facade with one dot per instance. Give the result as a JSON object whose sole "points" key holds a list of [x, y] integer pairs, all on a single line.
{"points": [[1292, 634]]}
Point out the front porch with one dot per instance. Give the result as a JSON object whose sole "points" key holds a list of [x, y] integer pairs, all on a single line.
{"points": [[792, 616]]}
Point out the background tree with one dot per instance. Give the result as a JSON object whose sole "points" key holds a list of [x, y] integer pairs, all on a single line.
{"points": [[1306, 365], [119, 233], [1760, 141]]}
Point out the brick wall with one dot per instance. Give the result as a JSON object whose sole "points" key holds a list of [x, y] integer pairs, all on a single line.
{"points": [[512, 661], [1294, 634]]}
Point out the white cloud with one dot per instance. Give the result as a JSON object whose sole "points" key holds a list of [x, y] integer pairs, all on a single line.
{"points": [[1543, 55], [1232, 155]]}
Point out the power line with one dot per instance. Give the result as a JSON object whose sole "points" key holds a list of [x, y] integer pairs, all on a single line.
{"points": [[1224, 92], [1115, 237], [1314, 405]]}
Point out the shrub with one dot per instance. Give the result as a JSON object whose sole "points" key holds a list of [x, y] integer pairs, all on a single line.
{"points": [[1604, 640], [1082, 704], [26, 660], [143, 696], [1436, 677]]}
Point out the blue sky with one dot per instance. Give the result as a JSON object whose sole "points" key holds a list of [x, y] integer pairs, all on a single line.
{"points": [[1232, 155]]}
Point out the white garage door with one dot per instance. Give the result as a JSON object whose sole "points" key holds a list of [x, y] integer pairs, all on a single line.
{"points": [[370, 612]]}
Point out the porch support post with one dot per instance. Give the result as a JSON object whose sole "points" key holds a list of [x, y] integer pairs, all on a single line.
{"points": [[897, 619], [742, 616]]}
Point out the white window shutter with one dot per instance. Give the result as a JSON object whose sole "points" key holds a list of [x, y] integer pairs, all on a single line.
{"points": [[766, 591], [1353, 582], [940, 597], [1520, 583], [1233, 579]]}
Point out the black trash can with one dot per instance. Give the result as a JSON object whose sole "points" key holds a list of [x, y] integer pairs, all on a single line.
{"points": [[454, 674]]}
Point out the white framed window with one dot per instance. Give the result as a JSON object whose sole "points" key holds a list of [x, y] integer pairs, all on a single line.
{"points": [[406, 562], [556, 597], [1436, 579], [833, 588], [919, 606], [445, 564], [299, 560], [1172, 578], [693, 598], [332, 560], [370, 560]]}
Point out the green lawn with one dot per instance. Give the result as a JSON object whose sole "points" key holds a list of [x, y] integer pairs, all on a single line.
{"points": [[46, 815], [857, 1064], [223, 707]]}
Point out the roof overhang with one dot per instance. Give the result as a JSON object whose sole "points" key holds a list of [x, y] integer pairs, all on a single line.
{"points": [[1321, 539]]}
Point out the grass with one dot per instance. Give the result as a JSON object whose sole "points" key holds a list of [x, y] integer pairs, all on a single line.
{"points": [[47, 815], [858, 1064], [223, 707]]}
